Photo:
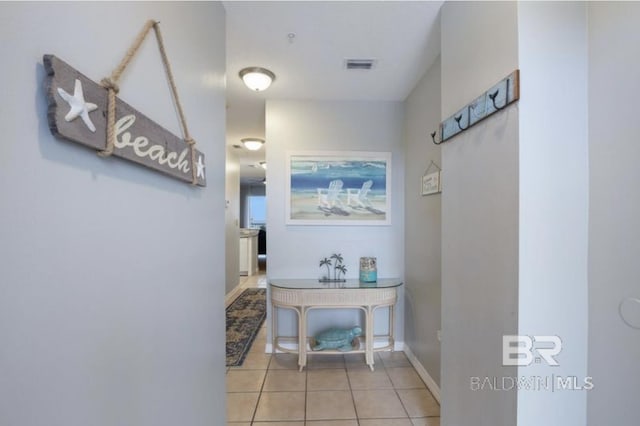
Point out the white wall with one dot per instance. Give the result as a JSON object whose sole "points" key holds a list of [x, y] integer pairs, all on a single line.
{"points": [[554, 186], [294, 251], [614, 211], [515, 209], [422, 234], [479, 215], [111, 275], [232, 220]]}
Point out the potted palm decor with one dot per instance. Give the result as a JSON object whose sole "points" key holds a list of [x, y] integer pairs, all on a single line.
{"points": [[339, 269]]}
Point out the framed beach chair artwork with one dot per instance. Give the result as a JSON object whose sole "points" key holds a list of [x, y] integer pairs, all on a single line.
{"points": [[338, 188]]}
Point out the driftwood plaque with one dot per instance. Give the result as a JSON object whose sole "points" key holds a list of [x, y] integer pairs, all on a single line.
{"points": [[493, 100], [78, 112]]}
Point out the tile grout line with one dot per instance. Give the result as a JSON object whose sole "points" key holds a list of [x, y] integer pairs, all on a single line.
{"points": [[353, 398], [264, 379], [306, 390], [402, 403]]}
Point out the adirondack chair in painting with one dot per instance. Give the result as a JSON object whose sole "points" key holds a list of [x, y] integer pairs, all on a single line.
{"points": [[328, 198], [358, 197]]}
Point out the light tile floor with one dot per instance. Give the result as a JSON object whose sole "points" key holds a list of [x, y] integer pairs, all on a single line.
{"points": [[335, 390]]}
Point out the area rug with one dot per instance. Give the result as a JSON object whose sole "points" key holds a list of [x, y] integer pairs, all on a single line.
{"points": [[244, 319]]}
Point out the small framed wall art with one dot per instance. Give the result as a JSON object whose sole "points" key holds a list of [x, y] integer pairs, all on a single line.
{"points": [[431, 182]]}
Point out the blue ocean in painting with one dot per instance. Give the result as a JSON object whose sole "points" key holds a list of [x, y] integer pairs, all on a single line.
{"points": [[309, 175]]}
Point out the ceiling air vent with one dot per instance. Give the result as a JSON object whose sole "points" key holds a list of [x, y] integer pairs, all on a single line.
{"points": [[359, 64]]}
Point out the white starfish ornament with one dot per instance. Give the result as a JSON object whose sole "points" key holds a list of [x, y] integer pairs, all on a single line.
{"points": [[79, 108], [200, 168]]}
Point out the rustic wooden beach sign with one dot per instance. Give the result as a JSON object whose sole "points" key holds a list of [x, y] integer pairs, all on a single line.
{"points": [[78, 111]]}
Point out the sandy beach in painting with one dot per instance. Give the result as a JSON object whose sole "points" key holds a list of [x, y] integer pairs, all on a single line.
{"points": [[305, 205]]}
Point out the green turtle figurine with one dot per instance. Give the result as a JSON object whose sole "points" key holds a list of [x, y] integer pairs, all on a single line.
{"points": [[337, 338]]}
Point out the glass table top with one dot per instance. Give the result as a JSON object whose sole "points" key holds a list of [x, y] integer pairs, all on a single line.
{"points": [[312, 284]]}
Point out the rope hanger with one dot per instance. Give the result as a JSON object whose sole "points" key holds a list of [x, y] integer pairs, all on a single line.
{"points": [[111, 84], [431, 164]]}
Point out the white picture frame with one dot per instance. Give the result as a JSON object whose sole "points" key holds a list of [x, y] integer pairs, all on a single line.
{"points": [[431, 183], [338, 188]]}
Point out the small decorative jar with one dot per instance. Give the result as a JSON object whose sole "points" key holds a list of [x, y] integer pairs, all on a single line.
{"points": [[368, 270]]}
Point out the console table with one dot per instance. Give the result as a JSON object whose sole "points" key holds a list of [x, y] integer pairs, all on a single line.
{"points": [[302, 295]]}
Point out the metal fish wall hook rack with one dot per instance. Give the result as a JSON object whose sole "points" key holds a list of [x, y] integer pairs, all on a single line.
{"points": [[491, 101]]}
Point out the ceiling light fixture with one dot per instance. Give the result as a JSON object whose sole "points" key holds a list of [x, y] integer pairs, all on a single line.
{"points": [[252, 144], [257, 78]]}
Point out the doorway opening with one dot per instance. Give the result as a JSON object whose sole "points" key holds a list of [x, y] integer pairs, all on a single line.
{"points": [[257, 219]]}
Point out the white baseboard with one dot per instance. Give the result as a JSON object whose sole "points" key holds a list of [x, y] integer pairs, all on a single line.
{"points": [[422, 372], [231, 296]]}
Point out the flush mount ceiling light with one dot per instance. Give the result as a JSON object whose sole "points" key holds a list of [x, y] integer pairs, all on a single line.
{"points": [[252, 144], [257, 78]]}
